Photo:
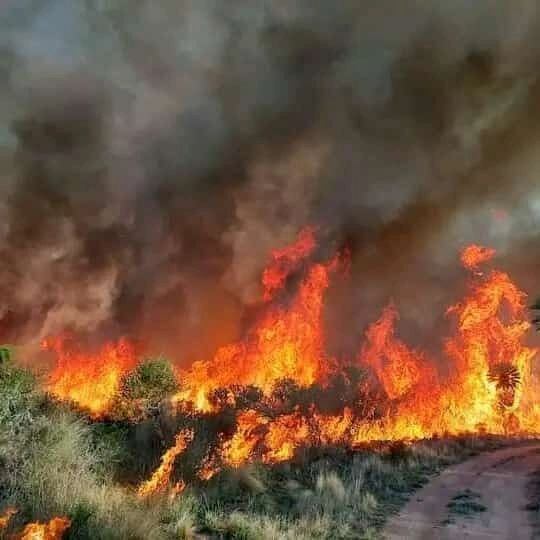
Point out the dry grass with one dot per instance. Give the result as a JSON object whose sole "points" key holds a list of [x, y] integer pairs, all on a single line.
{"points": [[64, 476]]}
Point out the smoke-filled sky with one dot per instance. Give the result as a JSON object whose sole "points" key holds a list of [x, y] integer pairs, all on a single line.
{"points": [[153, 152]]}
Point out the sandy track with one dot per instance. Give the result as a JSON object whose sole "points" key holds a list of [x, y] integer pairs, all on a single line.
{"points": [[499, 480]]}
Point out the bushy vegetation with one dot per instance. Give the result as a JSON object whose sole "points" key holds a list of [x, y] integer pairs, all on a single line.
{"points": [[150, 381], [55, 461], [144, 388]]}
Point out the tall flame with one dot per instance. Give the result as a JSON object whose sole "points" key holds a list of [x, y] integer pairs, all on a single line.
{"points": [[488, 362], [398, 368], [286, 343]]}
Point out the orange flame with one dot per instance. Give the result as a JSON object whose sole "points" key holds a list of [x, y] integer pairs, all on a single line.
{"points": [[53, 530], [177, 489], [161, 476], [474, 255], [240, 447], [90, 380], [6, 516], [286, 343], [399, 369], [487, 384], [286, 261], [491, 327], [284, 436]]}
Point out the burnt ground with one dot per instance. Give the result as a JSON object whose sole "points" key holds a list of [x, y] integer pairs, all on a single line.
{"points": [[493, 495]]}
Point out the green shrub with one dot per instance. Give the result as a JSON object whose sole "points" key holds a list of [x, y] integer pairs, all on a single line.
{"points": [[143, 389], [151, 380], [17, 388]]}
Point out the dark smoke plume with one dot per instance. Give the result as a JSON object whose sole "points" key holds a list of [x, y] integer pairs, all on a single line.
{"points": [[153, 152]]}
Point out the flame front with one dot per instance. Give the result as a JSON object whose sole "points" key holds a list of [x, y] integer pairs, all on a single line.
{"points": [[489, 371], [90, 380], [487, 383]]}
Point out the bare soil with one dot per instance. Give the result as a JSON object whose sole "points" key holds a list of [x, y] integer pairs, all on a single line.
{"points": [[487, 496]]}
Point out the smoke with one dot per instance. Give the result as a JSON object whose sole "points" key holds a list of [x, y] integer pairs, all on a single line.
{"points": [[153, 152]]}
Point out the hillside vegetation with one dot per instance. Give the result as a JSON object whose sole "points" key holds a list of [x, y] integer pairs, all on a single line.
{"points": [[55, 461]]}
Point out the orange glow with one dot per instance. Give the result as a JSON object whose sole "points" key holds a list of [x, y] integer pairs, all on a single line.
{"points": [[177, 489], [334, 429], [53, 530], [285, 343], [90, 380], [286, 261], [248, 434], [161, 476], [284, 436], [208, 468], [399, 369], [6, 516], [480, 380], [474, 255]]}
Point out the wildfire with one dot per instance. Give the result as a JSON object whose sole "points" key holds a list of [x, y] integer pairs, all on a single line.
{"points": [[160, 479], [53, 530], [489, 366], [488, 383], [286, 343], [399, 368], [90, 380]]}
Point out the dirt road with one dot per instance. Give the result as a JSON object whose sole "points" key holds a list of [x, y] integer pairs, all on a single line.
{"points": [[484, 497]]}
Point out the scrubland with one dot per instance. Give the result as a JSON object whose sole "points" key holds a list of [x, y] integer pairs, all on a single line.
{"points": [[56, 461]]}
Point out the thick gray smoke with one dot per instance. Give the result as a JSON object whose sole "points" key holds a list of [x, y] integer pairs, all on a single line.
{"points": [[153, 152]]}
